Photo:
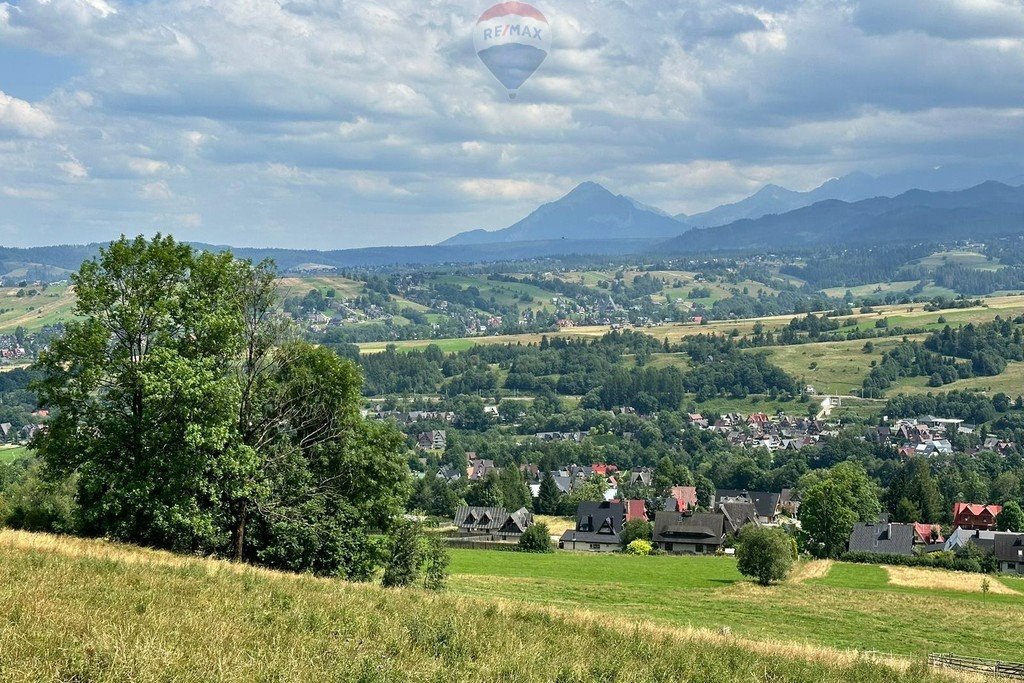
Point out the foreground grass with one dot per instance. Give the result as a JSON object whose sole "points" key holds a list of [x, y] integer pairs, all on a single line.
{"points": [[78, 610], [851, 606]]}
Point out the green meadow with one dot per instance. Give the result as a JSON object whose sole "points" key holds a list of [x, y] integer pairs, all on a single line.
{"points": [[836, 605]]}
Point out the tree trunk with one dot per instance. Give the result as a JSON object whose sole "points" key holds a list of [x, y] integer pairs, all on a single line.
{"points": [[238, 535]]}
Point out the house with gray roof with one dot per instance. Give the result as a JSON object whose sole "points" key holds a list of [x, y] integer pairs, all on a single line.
{"points": [[1009, 551], [738, 514], [694, 533], [493, 522], [882, 538], [597, 528]]}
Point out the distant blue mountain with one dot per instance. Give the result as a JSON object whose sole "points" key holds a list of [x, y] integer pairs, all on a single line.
{"points": [[588, 212], [773, 199], [988, 210]]}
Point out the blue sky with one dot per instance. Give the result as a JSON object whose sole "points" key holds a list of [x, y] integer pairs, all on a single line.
{"points": [[340, 123]]}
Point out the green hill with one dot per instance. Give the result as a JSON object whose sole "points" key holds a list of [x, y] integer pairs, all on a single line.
{"points": [[76, 610]]}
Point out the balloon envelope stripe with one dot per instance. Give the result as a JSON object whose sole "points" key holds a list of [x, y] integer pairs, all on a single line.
{"points": [[518, 8]]}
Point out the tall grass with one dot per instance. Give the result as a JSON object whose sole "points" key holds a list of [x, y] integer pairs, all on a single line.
{"points": [[77, 610]]}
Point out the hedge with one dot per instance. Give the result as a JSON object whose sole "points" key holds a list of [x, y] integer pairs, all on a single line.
{"points": [[939, 560]]}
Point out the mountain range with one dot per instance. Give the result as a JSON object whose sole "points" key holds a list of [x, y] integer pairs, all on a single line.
{"points": [[592, 221], [990, 209], [855, 187]]}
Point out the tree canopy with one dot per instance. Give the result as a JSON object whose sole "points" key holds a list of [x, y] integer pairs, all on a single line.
{"points": [[193, 422]]}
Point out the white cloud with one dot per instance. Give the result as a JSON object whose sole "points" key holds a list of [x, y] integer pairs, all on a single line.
{"points": [[22, 118], [146, 167], [156, 190], [333, 124], [73, 168]]}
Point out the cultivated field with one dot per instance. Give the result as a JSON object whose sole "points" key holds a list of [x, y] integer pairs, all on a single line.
{"points": [[907, 315], [76, 610], [849, 606]]}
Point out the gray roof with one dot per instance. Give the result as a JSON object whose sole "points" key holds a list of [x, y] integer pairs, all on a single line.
{"points": [[888, 539], [601, 518], [767, 503], [681, 527], [984, 540], [492, 519], [738, 514]]}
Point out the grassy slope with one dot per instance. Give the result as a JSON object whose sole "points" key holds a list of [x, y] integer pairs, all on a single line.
{"points": [[852, 607], [840, 366], [9, 454], [91, 611], [34, 312]]}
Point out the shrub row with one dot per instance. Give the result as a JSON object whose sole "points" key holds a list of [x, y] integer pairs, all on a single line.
{"points": [[941, 560]]}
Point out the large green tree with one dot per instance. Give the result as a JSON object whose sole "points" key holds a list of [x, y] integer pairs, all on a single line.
{"points": [[190, 418], [1011, 518], [833, 501]]}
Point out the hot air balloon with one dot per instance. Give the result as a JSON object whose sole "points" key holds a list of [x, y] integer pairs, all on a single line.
{"points": [[512, 39]]}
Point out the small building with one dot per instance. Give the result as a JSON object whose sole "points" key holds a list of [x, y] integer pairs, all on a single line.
{"points": [[973, 516], [493, 522], [1009, 551], [433, 440], [882, 538], [928, 534], [598, 526], [694, 533]]}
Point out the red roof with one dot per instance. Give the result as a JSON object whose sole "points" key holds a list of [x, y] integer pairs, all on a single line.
{"points": [[969, 515], [685, 496], [636, 509], [923, 533]]}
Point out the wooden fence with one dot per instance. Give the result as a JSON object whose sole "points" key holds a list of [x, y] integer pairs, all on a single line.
{"points": [[1006, 670]]}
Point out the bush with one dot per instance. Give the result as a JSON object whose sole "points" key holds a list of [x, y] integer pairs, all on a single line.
{"points": [[32, 501], [414, 556], [634, 530], [764, 554], [403, 563], [639, 547], [536, 539]]}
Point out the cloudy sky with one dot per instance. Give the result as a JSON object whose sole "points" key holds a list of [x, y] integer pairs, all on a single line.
{"points": [[346, 123]]}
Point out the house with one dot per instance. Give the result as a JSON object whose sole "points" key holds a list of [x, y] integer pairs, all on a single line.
{"points": [[789, 503], [6, 432], [494, 522], [961, 538], [636, 509], [973, 516], [768, 504], [449, 473], [642, 476], [738, 514], [696, 533], [882, 538], [434, 440], [1009, 551], [597, 528], [479, 468]]}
